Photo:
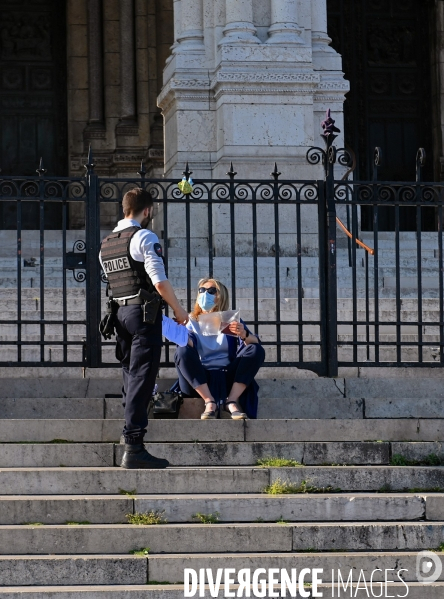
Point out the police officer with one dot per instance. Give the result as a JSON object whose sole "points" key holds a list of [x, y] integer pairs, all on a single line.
{"points": [[131, 258]]}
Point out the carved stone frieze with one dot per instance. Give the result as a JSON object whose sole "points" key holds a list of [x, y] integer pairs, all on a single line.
{"points": [[266, 77]]}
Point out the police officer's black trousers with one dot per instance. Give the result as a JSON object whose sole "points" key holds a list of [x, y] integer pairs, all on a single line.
{"points": [[138, 349]]}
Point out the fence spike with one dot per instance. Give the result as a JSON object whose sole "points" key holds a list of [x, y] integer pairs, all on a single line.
{"points": [[420, 163], [187, 173], [41, 170], [377, 161], [275, 174], [90, 161], [142, 171], [231, 173]]}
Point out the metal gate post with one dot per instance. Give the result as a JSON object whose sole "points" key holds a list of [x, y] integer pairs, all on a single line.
{"points": [[331, 274], [93, 274], [323, 288]]}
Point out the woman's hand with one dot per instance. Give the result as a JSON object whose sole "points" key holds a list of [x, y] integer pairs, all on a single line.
{"points": [[181, 315], [237, 328]]}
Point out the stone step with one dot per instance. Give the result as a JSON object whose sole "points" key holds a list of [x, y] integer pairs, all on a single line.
{"points": [[416, 591], [427, 385], [169, 568], [54, 455], [228, 538], [72, 570], [269, 408], [107, 430], [60, 509], [129, 570], [250, 507], [72, 481]]}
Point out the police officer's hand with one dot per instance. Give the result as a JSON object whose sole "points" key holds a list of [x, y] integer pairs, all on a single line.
{"points": [[237, 328], [181, 316]]}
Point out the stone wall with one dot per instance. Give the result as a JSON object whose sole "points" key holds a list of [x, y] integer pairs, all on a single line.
{"points": [[116, 50], [116, 53]]}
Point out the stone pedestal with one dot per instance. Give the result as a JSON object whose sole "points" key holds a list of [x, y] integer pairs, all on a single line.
{"points": [[237, 97], [229, 96]]}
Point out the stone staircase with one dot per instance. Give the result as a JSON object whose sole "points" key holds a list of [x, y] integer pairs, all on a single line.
{"points": [[368, 491]]}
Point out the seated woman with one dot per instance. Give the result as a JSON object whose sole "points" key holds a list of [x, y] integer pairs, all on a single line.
{"points": [[221, 365]]}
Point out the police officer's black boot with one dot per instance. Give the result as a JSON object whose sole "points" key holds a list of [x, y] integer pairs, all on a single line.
{"points": [[136, 456]]}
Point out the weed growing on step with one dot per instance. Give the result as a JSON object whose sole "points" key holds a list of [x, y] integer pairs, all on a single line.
{"points": [[147, 518], [207, 518], [279, 487], [281, 521], [429, 460], [59, 441], [78, 523], [32, 523], [386, 488], [259, 520], [270, 462], [440, 548], [140, 552], [129, 493]]}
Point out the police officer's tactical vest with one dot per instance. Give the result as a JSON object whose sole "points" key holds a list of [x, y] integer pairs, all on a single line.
{"points": [[125, 275]]}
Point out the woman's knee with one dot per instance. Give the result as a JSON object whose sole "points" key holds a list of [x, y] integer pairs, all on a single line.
{"points": [[255, 350], [184, 354]]}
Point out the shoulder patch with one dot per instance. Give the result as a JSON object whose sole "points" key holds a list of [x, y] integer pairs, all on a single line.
{"points": [[158, 249]]}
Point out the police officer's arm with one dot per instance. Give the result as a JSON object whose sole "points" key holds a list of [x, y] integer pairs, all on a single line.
{"points": [[167, 292], [147, 247]]}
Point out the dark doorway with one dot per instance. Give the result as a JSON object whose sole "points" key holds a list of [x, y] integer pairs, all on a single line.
{"points": [[33, 108], [385, 45]]}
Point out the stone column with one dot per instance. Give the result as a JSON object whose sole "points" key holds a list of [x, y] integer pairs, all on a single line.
{"points": [[239, 27], [128, 113], [177, 4], [95, 64], [324, 56], [284, 27], [191, 37]]}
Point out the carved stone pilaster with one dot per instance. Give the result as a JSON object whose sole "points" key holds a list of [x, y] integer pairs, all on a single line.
{"points": [[128, 111], [284, 28], [324, 56], [95, 65], [239, 27], [191, 34]]}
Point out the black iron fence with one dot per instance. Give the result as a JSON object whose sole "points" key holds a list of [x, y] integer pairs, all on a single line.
{"points": [[319, 290]]}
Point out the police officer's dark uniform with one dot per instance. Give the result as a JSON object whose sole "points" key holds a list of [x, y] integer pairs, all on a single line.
{"points": [[132, 261]]}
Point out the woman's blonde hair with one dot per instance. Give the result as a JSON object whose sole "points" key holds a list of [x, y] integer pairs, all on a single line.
{"points": [[222, 299]]}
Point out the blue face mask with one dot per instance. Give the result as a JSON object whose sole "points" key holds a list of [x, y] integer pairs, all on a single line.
{"points": [[206, 301]]}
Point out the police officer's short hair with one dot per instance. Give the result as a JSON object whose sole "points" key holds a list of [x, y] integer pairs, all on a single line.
{"points": [[135, 201]]}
